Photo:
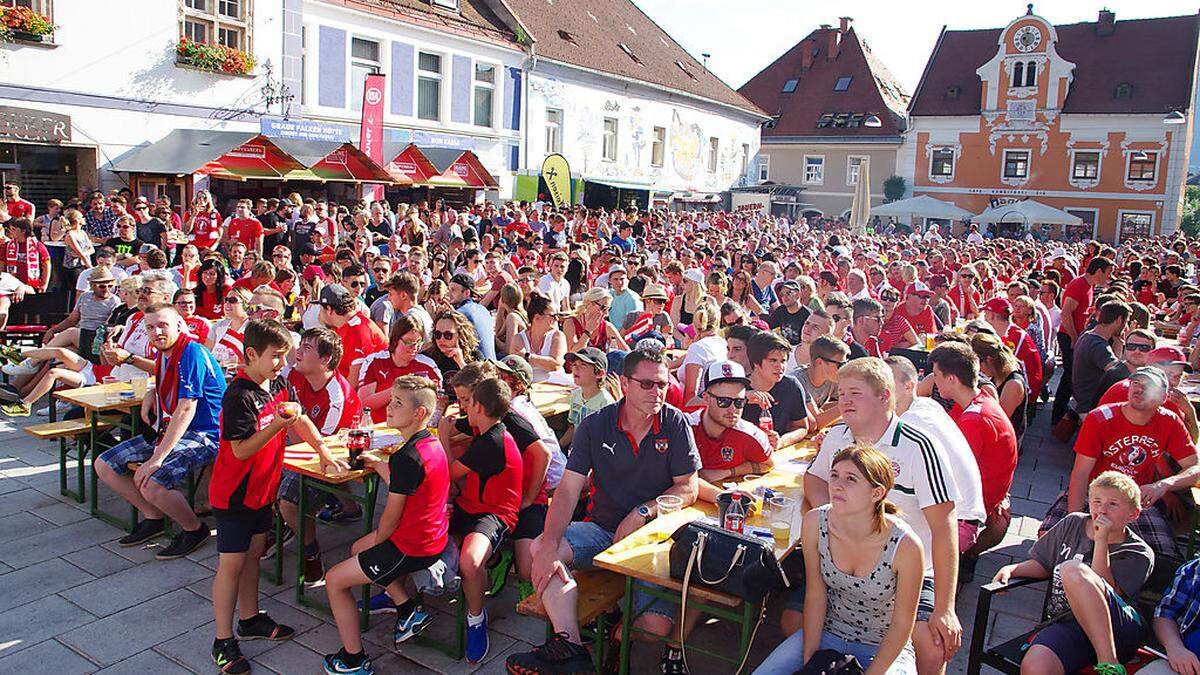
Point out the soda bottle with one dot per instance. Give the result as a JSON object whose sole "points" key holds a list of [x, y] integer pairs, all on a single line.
{"points": [[765, 421], [735, 515], [98, 341], [359, 440]]}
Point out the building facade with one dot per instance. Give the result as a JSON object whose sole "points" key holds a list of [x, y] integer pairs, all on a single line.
{"points": [[1093, 118], [821, 93]]}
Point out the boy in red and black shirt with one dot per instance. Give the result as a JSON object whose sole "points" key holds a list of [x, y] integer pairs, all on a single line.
{"points": [[256, 411], [491, 473], [412, 531]]}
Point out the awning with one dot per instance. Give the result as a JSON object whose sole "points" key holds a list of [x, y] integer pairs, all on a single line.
{"points": [[921, 206], [221, 154], [620, 185], [334, 161], [697, 197], [1028, 212], [437, 167]]}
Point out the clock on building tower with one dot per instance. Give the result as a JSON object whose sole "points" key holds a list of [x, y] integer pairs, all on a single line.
{"points": [[1027, 38]]}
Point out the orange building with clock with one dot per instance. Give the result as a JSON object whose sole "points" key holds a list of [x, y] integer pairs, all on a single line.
{"points": [[1092, 118]]}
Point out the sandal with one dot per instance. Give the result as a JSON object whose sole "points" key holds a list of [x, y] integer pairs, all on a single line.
{"points": [[263, 627]]}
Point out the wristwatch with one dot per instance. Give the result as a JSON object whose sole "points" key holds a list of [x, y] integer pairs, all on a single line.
{"points": [[645, 513]]}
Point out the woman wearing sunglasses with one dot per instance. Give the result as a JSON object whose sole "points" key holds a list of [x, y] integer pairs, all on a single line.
{"points": [[225, 341], [590, 326], [454, 345]]}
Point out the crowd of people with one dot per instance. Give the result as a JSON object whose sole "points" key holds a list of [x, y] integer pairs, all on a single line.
{"points": [[695, 344]]}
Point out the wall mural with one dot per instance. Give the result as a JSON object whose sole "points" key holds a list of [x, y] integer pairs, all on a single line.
{"points": [[686, 141]]}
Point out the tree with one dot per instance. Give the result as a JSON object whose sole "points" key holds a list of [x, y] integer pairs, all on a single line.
{"points": [[1189, 220], [894, 188]]}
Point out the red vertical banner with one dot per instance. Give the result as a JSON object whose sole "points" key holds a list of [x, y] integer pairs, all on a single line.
{"points": [[370, 138]]}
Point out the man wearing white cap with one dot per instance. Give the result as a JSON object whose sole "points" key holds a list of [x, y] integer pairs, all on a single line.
{"points": [[729, 446]]}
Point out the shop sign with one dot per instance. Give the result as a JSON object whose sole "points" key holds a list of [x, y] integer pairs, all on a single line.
{"points": [[274, 127], [24, 124], [434, 140], [461, 169], [408, 168], [249, 151]]}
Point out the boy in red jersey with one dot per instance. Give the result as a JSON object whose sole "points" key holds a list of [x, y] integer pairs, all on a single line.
{"points": [[256, 412], [491, 473], [412, 531]]}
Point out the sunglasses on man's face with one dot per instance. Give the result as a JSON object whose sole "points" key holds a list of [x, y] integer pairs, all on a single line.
{"points": [[839, 364], [650, 385], [1134, 347], [381, 270], [738, 402]]}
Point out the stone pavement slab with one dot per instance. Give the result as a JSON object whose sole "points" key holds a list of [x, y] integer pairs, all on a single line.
{"points": [[121, 635], [38, 581], [41, 619], [131, 587], [49, 656], [53, 542], [148, 661]]}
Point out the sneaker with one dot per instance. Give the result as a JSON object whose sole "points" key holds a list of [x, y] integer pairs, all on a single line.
{"points": [[336, 664], [477, 641], [228, 657], [143, 532], [380, 603], [25, 367], [336, 514], [9, 393], [672, 663], [184, 543], [263, 627], [408, 627], [16, 409], [556, 655], [314, 571], [274, 548]]}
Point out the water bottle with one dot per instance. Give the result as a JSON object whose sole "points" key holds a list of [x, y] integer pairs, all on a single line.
{"points": [[359, 440], [98, 341], [735, 515], [765, 421]]}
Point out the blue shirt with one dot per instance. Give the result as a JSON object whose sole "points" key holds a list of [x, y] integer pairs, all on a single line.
{"points": [[201, 378], [626, 245], [485, 326], [622, 305], [1181, 603]]}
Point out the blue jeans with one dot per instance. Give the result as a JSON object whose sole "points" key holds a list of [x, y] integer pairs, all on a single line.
{"points": [[588, 540], [788, 657]]}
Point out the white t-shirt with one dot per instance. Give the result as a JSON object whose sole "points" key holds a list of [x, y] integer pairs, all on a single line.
{"points": [[557, 291], [703, 352], [558, 461], [923, 478], [925, 414], [82, 284], [136, 340]]}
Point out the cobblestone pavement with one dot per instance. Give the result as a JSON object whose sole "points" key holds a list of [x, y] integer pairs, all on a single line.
{"points": [[73, 601]]}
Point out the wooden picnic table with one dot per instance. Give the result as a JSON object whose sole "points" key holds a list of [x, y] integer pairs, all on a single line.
{"points": [[643, 557]]}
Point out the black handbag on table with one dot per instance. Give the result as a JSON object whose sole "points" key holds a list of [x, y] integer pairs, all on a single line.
{"points": [[725, 561]]}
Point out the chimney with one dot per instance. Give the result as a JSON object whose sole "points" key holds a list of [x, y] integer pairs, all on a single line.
{"points": [[846, 21], [1106, 24], [831, 42], [806, 54]]}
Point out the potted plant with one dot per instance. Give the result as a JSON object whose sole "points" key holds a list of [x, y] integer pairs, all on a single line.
{"points": [[22, 23], [214, 58]]}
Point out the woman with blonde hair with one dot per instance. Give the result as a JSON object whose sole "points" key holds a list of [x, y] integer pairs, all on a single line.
{"points": [[225, 339], [741, 292], [510, 317], [1001, 366], [684, 305], [865, 567], [707, 347], [202, 222], [590, 326], [715, 284], [79, 247]]}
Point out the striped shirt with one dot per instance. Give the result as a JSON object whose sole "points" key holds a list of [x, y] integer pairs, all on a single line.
{"points": [[923, 477], [1181, 603]]}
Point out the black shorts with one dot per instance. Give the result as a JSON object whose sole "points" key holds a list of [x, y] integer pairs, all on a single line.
{"points": [[86, 338], [1073, 648], [530, 522], [236, 528], [487, 524], [384, 563]]}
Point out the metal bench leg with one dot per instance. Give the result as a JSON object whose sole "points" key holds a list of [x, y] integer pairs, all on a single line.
{"points": [[983, 608]]}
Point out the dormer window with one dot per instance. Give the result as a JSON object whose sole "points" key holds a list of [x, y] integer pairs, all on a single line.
{"points": [[1123, 91], [682, 67], [843, 83], [447, 4], [629, 52], [569, 37], [952, 92], [790, 86]]}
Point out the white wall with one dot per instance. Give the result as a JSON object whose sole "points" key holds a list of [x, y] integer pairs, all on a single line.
{"points": [[586, 99]]}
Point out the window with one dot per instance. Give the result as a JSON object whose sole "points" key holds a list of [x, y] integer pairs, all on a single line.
{"points": [[1086, 166], [43, 7], [303, 62], [853, 167], [554, 120], [1016, 164], [1018, 74], [714, 149], [447, 4], [429, 86], [364, 60], [1133, 225], [1123, 91], [568, 36], [609, 151], [1031, 74], [485, 90], [1142, 166], [658, 146], [223, 22], [942, 163], [745, 158], [790, 86], [764, 168], [685, 70], [814, 170], [843, 83]]}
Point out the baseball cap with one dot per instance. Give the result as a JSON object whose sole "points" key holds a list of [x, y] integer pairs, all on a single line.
{"points": [[1169, 355], [312, 272], [515, 364], [617, 268], [790, 284], [335, 296], [589, 355], [464, 280], [694, 275], [1153, 375], [998, 305], [919, 289], [373, 250], [939, 280], [723, 371]]}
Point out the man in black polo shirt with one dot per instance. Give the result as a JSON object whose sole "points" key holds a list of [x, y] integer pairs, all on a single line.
{"points": [[789, 316], [635, 450]]}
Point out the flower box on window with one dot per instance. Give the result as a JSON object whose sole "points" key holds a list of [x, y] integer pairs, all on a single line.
{"points": [[214, 58], [22, 24]]}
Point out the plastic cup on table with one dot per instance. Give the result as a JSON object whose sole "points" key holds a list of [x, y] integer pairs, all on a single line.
{"points": [[668, 504], [112, 396], [140, 386], [782, 514]]}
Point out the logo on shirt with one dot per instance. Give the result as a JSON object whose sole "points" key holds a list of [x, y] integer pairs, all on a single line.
{"points": [[726, 454], [661, 445], [316, 411], [895, 469], [265, 421], [610, 448]]}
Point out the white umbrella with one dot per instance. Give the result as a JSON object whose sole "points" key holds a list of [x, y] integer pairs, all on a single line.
{"points": [[922, 206], [1029, 212], [860, 207]]}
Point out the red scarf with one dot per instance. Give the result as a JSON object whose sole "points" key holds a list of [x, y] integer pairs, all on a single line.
{"points": [[33, 268], [167, 388]]}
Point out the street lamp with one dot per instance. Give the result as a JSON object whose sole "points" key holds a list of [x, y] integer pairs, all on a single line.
{"points": [[873, 121], [1175, 117]]}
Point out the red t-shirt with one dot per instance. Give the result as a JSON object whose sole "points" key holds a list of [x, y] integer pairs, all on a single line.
{"points": [[244, 230], [246, 409], [331, 408], [993, 441], [1081, 291], [360, 337], [24, 261], [420, 472], [891, 332], [381, 370], [199, 327], [1018, 340], [959, 301], [494, 482], [1134, 450], [19, 209], [211, 304], [1119, 393], [924, 322], [204, 230], [741, 443]]}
